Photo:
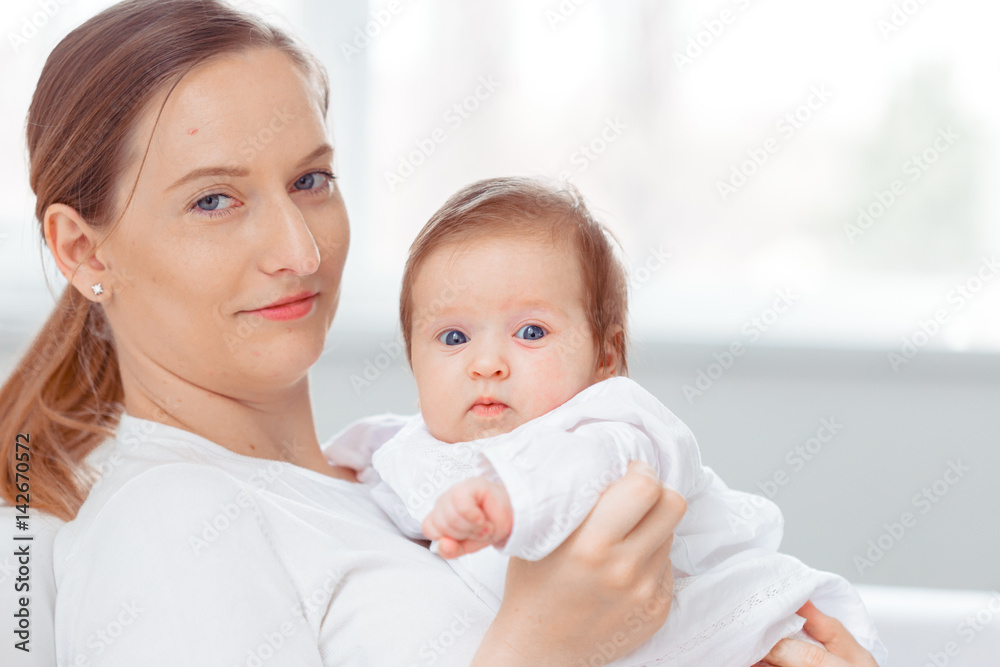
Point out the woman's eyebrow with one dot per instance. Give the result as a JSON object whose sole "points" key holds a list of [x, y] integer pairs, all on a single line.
{"points": [[321, 151], [239, 172], [234, 172]]}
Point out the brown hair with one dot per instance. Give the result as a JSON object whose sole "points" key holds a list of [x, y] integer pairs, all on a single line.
{"points": [[518, 206], [66, 392]]}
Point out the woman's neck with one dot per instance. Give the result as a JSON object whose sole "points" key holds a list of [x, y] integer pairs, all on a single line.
{"points": [[278, 427]]}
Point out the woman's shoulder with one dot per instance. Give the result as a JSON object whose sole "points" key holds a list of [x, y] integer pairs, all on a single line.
{"points": [[181, 553], [153, 464], [154, 480], [164, 500], [178, 486]]}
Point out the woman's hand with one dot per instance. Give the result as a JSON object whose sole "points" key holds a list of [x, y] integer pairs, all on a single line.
{"points": [[603, 591], [841, 649]]}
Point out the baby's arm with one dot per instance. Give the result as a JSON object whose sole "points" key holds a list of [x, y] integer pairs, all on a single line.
{"points": [[471, 515], [554, 478], [573, 469], [354, 445]]}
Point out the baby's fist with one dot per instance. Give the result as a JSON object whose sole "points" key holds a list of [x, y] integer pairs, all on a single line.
{"points": [[471, 515]]}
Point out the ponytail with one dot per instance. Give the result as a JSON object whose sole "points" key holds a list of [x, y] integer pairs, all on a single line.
{"points": [[63, 399]]}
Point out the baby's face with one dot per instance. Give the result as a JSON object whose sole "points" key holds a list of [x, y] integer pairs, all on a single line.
{"points": [[500, 335]]}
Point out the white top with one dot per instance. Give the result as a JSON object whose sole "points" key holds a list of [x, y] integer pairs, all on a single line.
{"points": [[735, 595], [186, 553]]}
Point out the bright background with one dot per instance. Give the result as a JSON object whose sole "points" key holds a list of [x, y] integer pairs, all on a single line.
{"points": [[562, 74]]}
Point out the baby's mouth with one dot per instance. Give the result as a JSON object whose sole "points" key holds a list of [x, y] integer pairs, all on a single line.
{"points": [[488, 408]]}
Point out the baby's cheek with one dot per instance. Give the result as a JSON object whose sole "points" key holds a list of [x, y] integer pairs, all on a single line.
{"points": [[435, 414], [550, 396], [442, 426], [559, 381]]}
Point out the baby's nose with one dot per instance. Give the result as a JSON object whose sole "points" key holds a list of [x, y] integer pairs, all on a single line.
{"points": [[489, 364]]}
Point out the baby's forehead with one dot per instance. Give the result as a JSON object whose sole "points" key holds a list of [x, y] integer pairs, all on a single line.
{"points": [[499, 307], [547, 240]]}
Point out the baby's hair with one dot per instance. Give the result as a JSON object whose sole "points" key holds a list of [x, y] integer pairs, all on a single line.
{"points": [[516, 207]]}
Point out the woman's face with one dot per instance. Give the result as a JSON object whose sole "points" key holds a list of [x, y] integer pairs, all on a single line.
{"points": [[234, 212]]}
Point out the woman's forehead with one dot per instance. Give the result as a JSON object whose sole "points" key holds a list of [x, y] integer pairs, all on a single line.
{"points": [[226, 110]]}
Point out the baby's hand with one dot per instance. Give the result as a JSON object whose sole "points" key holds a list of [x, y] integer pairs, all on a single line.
{"points": [[471, 515]]}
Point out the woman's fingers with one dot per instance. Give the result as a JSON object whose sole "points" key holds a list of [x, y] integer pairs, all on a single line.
{"points": [[841, 648], [659, 561], [659, 523], [623, 505], [584, 596], [793, 653], [660, 600], [834, 636]]}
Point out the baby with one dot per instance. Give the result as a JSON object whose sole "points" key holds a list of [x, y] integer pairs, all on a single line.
{"points": [[514, 309]]}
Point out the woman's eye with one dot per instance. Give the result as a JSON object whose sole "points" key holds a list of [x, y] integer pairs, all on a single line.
{"points": [[530, 332], [313, 180], [215, 203], [453, 337]]}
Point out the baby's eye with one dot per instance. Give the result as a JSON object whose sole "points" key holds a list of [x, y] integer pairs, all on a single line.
{"points": [[530, 332], [453, 337]]}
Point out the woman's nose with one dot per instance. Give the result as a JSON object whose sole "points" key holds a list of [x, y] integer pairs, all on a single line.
{"points": [[288, 243]]}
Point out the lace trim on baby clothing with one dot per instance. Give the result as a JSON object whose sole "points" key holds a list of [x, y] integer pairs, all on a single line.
{"points": [[461, 460], [737, 615], [681, 584]]}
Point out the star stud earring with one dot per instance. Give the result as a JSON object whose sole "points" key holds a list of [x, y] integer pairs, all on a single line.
{"points": [[98, 290]]}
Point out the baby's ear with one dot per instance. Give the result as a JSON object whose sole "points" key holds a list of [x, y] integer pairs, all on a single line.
{"points": [[610, 362]]}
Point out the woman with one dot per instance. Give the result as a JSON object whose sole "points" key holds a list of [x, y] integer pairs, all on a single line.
{"points": [[204, 256]]}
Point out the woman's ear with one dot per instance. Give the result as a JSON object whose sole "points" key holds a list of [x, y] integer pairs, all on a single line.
{"points": [[73, 244]]}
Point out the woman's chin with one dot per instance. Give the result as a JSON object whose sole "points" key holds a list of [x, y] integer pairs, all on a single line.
{"points": [[289, 355]]}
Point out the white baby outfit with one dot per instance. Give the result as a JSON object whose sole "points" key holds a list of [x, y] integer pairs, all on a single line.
{"points": [[735, 596]]}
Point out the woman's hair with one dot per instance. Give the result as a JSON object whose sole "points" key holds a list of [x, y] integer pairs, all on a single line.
{"points": [[516, 207], [99, 81]]}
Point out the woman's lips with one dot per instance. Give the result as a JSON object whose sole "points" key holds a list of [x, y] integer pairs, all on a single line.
{"points": [[289, 309], [488, 409]]}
